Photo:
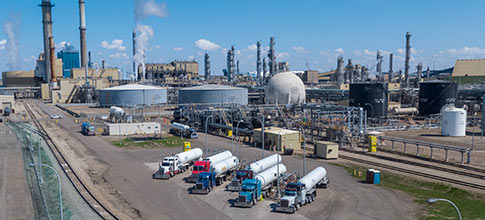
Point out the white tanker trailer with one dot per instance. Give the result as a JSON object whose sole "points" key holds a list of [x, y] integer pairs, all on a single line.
{"points": [[252, 170], [303, 191], [179, 163]]}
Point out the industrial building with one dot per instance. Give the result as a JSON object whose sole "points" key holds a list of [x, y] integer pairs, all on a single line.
{"points": [[213, 94], [373, 97], [115, 129], [70, 60], [170, 71], [40, 67], [102, 73], [132, 95], [20, 79], [277, 139], [310, 77], [471, 71]]}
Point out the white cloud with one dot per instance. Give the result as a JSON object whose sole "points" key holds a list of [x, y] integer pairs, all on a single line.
{"points": [[282, 55], [339, 51], [116, 44], [252, 47], [157, 47], [400, 51], [147, 8], [62, 45], [191, 57], [204, 44], [299, 49], [3, 43], [119, 56], [178, 48]]}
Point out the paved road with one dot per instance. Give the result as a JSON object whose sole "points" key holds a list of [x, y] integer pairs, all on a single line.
{"points": [[345, 199], [15, 198]]}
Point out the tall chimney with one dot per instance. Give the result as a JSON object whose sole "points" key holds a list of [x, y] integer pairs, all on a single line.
{"points": [[340, 70], [89, 59], [82, 30], [379, 63], [420, 72], [207, 66], [264, 70], [258, 63], [391, 72], [47, 31], [408, 57], [272, 57], [52, 56], [134, 51]]}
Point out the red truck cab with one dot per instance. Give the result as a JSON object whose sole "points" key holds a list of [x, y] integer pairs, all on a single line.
{"points": [[199, 167]]}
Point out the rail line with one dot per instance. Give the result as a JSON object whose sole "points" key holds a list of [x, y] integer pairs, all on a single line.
{"points": [[73, 177], [416, 173]]}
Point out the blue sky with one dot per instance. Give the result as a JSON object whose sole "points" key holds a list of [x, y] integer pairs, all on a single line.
{"points": [[313, 30]]}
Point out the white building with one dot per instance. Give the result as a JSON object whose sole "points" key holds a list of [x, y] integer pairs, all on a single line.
{"points": [[133, 128]]}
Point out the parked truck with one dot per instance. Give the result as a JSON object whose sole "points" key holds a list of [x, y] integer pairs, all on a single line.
{"points": [[179, 163], [220, 171], [184, 130], [252, 190], [206, 164], [303, 191], [252, 170], [6, 111], [87, 129]]}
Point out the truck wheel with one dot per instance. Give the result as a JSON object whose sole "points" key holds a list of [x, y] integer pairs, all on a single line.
{"points": [[293, 210], [253, 202]]}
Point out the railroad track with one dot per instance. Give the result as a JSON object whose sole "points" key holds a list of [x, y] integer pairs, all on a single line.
{"points": [[414, 172], [73, 177]]}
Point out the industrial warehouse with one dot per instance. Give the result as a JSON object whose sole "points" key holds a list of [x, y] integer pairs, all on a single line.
{"points": [[146, 123]]}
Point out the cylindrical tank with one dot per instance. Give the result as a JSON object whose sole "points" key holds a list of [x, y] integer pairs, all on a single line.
{"points": [[433, 95], [453, 122], [225, 165], [190, 155], [285, 88], [180, 126], [404, 111], [115, 110], [264, 164], [268, 176], [373, 97], [219, 157], [132, 95], [312, 178], [213, 94]]}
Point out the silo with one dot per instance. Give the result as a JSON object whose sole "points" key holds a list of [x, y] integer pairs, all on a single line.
{"points": [[213, 94], [372, 97], [433, 95], [132, 95], [453, 122]]}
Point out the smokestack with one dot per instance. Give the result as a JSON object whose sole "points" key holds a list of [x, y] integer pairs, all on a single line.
{"points": [[272, 57], [82, 30], [391, 73], [102, 64], [340, 70], [258, 62], [379, 64], [427, 73], [349, 72], [52, 61], [134, 50], [232, 63], [228, 63], [207, 66], [89, 60], [264, 70], [408, 57], [47, 31], [420, 72]]}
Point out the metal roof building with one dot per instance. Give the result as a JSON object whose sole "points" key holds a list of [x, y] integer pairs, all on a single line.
{"points": [[469, 71]]}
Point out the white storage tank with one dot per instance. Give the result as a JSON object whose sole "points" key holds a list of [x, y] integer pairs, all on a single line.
{"points": [[265, 163], [453, 122], [219, 157], [190, 155], [312, 178], [268, 176], [225, 165]]}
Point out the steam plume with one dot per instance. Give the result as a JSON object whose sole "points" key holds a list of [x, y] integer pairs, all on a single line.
{"points": [[12, 28]]}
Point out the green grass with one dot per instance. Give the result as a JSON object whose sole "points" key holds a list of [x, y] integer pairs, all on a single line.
{"points": [[170, 141], [471, 205]]}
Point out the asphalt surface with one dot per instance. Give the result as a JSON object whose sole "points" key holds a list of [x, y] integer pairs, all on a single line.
{"points": [[347, 198]]}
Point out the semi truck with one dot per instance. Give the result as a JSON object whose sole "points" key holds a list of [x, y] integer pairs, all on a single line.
{"points": [[303, 191], [206, 164], [87, 129], [252, 170], [6, 111], [172, 165], [220, 171], [252, 190], [184, 130]]}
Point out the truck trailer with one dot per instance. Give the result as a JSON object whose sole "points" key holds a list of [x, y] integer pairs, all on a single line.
{"points": [[172, 165], [252, 170], [252, 190], [183, 130], [206, 164], [220, 171], [303, 191]]}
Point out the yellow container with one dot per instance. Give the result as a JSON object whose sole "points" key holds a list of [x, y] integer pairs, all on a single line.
{"points": [[186, 146], [372, 140], [229, 133], [373, 149]]}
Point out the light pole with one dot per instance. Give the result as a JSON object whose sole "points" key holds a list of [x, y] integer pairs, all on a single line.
{"points": [[206, 121], [433, 200], [237, 135], [303, 147], [58, 182], [278, 164], [262, 134]]}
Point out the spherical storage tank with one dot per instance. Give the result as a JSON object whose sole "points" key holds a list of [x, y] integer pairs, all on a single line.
{"points": [[433, 95], [372, 97], [131, 95], [213, 94], [453, 122], [285, 88]]}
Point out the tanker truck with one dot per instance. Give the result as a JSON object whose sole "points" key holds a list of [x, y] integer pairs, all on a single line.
{"points": [[206, 165], [184, 130], [303, 191], [179, 163], [251, 170], [220, 171], [253, 190]]}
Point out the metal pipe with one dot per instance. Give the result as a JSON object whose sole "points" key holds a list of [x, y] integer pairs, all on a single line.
{"points": [[59, 184], [430, 201], [206, 120], [408, 57]]}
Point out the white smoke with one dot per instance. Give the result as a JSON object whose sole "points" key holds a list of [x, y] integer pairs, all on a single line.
{"points": [[144, 34], [2, 44], [12, 28], [147, 8]]}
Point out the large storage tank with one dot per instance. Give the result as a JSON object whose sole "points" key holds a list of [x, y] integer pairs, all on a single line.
{"points": [[483, 114], [372, 97], [453, 122], [285, 88], [312, 178], [268, 176], [132, 95], [433, 95], [265, 163], [213, 94]]}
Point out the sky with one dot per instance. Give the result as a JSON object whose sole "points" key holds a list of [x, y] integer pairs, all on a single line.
{"points": [[309, 34]]}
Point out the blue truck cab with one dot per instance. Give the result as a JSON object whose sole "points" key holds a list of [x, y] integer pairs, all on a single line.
{"points": [[205, 183], [249, 194]]}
